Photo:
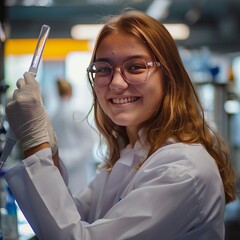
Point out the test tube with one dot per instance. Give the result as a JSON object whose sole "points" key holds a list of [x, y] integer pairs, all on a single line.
{"points": [[10, 137], [39, 49]]}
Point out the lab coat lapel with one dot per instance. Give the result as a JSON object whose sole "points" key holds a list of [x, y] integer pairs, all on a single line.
{"points": [[117, 179]]}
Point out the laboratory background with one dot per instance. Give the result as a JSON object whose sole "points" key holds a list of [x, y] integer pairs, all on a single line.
{"points": [[207, 33]]}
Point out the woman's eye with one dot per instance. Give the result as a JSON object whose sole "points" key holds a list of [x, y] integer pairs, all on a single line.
{"points": [[104, 70], [135, 68]]}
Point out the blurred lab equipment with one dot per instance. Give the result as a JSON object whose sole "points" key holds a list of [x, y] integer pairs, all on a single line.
{"points": [[8, 211]]}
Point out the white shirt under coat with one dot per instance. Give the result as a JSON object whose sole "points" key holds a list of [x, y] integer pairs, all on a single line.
{"points": [[176, 194]]}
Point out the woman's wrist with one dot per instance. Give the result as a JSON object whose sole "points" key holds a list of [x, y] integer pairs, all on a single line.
{"points": [[35, 149]]}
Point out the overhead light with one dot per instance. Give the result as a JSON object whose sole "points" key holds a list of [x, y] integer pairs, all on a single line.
{"points": [[232, 106], [85, 31], [2, 33], [179, 31], [159, 9], [40, 3]]}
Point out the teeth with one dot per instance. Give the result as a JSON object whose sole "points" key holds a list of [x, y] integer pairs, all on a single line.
{"points": [[124, 100]]}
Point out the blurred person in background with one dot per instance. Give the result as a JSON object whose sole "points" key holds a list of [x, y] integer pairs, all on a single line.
{"points": [[75, 138]]}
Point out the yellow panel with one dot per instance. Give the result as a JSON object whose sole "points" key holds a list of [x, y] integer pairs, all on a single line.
{"points": [[54, 48]]}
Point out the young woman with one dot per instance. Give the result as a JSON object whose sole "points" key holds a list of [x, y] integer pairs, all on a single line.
{"points": [[166, 175]]}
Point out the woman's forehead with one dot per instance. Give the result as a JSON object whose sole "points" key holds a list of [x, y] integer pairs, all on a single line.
{"points": [[120, 44]]}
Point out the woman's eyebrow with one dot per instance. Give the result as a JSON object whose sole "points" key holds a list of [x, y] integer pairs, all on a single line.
{"points": [[101, 60], [105, 59]]}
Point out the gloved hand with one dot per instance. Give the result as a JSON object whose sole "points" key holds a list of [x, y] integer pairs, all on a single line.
{"points": [[28, 117]]}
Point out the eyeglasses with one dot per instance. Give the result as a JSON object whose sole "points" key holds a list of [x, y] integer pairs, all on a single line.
{"points": [[134, 71]]}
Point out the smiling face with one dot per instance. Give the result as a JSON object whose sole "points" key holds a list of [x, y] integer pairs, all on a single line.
{"points": [[125, 103]]}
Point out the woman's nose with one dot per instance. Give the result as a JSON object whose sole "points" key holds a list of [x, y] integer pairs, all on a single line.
{"points": [[118, 82]]}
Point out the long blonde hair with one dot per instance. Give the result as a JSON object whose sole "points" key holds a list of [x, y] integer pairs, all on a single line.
{"points": [[180, 115]]}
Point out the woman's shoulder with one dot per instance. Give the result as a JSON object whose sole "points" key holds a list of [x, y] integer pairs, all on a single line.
{"points": [[188, 166], [178, 153], [179, 160]]}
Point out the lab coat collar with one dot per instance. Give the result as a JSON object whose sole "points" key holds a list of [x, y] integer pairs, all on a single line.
{"points": [[133, 155]]}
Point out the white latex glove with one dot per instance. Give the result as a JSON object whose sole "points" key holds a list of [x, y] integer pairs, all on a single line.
{"points": [[27, 116]]}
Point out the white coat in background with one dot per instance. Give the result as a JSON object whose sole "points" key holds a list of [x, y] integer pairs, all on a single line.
{"points": [[76, 141]]}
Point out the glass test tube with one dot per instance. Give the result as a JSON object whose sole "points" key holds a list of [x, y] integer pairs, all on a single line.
{"points": [[39, 49]]}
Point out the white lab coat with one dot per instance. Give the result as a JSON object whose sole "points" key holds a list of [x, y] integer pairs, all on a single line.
{"points": [[76, 142], [176, 194]]}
